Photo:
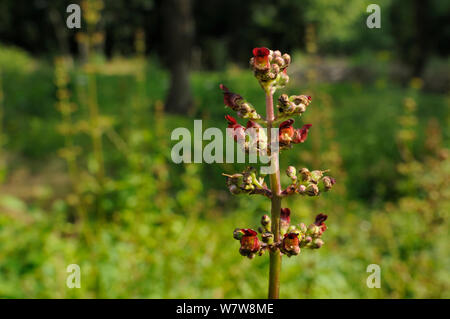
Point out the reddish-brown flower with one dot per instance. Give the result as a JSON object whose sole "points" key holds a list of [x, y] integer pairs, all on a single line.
{"points": [[320, 221], [249, 242], [230, 99], [291, 244], [286, 132], [261, 56], [301, 134]]}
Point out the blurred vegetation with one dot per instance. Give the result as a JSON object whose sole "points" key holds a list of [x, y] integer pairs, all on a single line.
{"points": [[414, 31], [86, 176], [156, 229]]}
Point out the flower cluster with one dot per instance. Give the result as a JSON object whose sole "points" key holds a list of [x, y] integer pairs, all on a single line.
{"points": [[247, 182], [238, 104], [308, 183], [293, 237], [292, 105], [270, 67]]}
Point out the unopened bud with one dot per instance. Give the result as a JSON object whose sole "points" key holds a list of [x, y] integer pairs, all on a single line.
{"points": [[302, 227], [234, 189], [292, 229], [312, 190], [316, 176], [317, 243], [275, 68], [291, 172], [266, 222], [279, 61], [238, 233], [267, 238], [306, 241], [313, 230], [287, 59], [301, 189], [306, 174], [328, 182]]}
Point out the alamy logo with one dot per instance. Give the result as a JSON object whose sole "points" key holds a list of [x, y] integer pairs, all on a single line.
{"points": [[374, 19], [74, 279], [74, 19], [374, 279]]}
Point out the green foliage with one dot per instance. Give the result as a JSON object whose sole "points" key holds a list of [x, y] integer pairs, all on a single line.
{"points": [[167, 228]]}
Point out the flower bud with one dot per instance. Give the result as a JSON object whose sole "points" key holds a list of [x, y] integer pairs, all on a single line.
{"points": [[266, 222], [316, 176], [305, 174], [302, 228], [238, 233], [292, 229], [283, 79], [291, 172], [313, 230], [312, 190], [317, 243], [267, 238], [328, 182], [301, 189], [287, 59], [275, 69], [284, 105], [235, 190], [306, 240], [279, 61]]}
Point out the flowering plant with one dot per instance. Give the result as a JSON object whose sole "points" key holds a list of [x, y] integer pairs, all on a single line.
{"points": [[278, 236]]}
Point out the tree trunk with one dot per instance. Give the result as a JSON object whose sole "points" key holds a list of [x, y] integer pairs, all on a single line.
{"points": [[178, 33]]}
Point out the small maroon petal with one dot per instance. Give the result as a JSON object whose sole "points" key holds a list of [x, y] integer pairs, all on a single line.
{"points": [[290, 235], [231, 120], [286, 124], [309, 97], [302, 134], [285, 215], [320, 219], [261, 52], [251, 124], [249, 232]]}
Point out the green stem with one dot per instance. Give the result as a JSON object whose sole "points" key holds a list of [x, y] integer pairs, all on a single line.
{"points": [[275, 185]]}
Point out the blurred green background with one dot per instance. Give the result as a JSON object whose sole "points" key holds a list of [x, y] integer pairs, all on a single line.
{"points": [[86, 176]]}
